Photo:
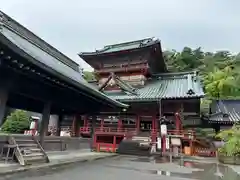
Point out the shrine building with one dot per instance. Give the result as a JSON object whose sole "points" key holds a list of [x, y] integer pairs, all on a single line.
{"points": [[135, 73]]}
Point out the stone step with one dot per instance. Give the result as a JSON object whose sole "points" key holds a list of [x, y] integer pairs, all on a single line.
{"points": [[32, 149], [27, 145], [24, 140], [35, 160], [32, 155], [132, 148]]}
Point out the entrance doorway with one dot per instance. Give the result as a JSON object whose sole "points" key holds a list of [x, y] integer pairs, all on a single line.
{"points": [[145, 124]]}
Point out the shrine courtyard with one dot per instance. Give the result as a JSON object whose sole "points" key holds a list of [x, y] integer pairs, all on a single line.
{"points": [[134, 167]]}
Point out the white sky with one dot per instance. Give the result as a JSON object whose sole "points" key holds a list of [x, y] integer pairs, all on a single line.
{"points": [[75, 26]]}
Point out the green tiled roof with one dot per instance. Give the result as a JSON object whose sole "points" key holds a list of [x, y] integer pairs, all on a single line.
{"points": [[124, 46], [164, 86]]}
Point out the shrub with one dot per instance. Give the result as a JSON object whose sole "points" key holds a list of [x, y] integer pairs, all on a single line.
{"points": [[16, 122], [231, 139]]}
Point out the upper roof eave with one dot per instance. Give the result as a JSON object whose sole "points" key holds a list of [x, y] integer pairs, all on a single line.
{"points": [[88, 54]]}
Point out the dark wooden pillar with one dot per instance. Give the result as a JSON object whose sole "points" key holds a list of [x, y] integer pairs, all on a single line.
{"points": [[73, 134], [77, 125], [102, 123], [217, 128], [44, 123], [85, 121], [3, 102], [93, 126], [137, 123], [60, 119]]}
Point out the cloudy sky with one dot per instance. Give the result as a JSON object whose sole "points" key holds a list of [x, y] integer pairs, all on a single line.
{"points": [[74, 26]]}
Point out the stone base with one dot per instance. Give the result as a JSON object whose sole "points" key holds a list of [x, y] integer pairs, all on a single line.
{"points": [[53, 143], [233, 160]]}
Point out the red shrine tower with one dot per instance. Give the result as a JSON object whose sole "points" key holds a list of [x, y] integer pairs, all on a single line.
{"points": [[132, 62], [135, 73]]}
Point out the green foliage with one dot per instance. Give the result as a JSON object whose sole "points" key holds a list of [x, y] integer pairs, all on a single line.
{"points": [[231, 138], [220, 71], [16, 122], [205, 105], [89, 76]]}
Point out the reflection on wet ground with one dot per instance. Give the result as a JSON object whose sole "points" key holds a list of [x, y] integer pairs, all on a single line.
{"points": [[199, 170]]}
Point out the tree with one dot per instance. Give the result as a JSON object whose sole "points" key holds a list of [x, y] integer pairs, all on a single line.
{"points": [[231, 138], [16, 122], [220, 83], [219, 71]]}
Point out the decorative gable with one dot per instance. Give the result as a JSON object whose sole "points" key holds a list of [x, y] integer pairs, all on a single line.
{"points": [[114, 80]]}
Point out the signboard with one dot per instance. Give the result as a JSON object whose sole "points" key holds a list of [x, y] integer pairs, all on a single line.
{"points": [[176, 141], [163, 129], [32, 125]]}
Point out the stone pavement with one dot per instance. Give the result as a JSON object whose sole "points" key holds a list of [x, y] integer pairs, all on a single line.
{"points": [[235, 168], [138, 168], [56, 158]]}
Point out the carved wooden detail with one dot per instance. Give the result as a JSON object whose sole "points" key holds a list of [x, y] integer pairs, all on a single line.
{"points": [[132, 80]]}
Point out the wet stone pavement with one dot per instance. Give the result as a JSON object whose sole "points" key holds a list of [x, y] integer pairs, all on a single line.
{"points": [[138, 168]]}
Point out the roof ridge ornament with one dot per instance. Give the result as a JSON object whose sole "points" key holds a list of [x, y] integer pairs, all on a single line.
{"points": [[190, 84]]}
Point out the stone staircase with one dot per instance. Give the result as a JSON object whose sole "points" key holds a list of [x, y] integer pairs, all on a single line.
{"points": [[132, 147], [28, 150], [138, 145]]}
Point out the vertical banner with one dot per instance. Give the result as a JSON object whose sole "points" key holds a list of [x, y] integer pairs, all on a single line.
{"points": [[159, 143], [167, 143], [163, 129]]}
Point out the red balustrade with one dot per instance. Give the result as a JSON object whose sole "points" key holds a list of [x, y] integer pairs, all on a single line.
{"points": [[108, 130], [85, 130], [106, 147]]}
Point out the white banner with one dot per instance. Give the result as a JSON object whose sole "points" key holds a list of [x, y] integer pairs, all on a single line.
{"points": [[163, 129], [159, 145], [167, 143]]}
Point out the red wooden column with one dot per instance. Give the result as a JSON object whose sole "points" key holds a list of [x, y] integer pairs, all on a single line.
{"points": [[153, 131], [137, 123], [153, 123], [114, 143], [119, 124], [178, 122], [102, 123], [84, 121]]}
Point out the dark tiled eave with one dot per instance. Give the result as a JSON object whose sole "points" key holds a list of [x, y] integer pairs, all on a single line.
{"points": [[225, 112], [8, 21], [47, 62]]}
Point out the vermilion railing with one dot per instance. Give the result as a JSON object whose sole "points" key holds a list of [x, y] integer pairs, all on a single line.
{"points": [[116, 130], [85, 130], [184, 133], [106, 147]]}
